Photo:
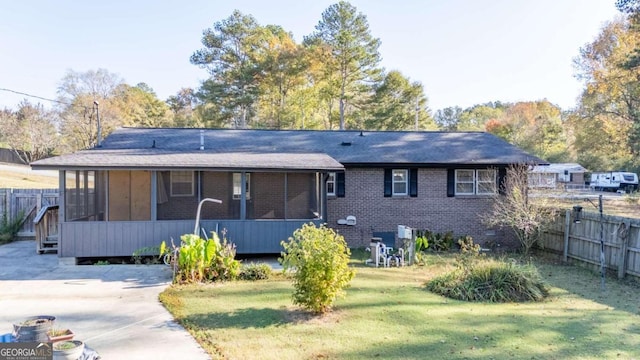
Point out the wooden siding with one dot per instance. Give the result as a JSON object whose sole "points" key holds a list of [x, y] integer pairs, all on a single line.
{"points": [[122, 238]]}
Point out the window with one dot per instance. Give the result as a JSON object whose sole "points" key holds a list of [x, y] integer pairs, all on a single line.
{"points": [[237, 186], [182, 183], [464, 182], [331, 184], [486, 182], [400, 182], [475, 182]]}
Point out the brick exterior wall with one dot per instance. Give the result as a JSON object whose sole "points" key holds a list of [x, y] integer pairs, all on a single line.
{"points": [[431, 209]]}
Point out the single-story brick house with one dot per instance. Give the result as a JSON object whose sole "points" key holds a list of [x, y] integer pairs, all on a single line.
{"points": [[143, 185]]}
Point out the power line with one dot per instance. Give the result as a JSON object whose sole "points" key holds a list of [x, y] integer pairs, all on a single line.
{"points": [[42, 98]]}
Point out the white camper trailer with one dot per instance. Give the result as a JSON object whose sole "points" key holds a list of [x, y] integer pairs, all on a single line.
{"points": [[614, 181]]}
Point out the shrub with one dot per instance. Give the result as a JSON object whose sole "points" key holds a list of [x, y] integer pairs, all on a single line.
{"points": [[320, 258], [493, 281], [9, 229], [253, 271], [442, 242]]}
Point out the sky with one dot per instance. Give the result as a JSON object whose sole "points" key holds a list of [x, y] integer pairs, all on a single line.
{"points": [[464, 52]]}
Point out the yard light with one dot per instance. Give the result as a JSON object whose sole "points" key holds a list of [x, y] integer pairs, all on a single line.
{"points": [[577, 212]]}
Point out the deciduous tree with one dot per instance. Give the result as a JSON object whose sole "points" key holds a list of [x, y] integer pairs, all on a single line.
{"points": [[29, 131], [514, 210]]}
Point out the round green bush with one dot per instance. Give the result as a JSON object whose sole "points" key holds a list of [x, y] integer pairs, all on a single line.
{"points": [[319, 259], [253, 271], [492, 281]]}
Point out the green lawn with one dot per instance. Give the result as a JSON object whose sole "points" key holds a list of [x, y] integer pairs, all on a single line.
{"points": [[387, 314]]}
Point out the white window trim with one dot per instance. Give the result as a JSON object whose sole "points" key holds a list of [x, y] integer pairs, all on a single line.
{"points": [[331, 180], [181, 182], [494, 182], [476, 182], [394, 182]]}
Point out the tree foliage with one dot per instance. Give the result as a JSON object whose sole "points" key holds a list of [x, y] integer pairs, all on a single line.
{"points": [[345, 33], [398, 104], [85, 97], [30, 131], [230, 54], [607, 120]]}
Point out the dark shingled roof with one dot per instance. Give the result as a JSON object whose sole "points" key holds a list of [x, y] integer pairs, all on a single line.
{"points": [[291, 149]]}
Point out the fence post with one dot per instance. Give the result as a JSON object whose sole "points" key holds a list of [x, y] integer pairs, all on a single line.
{"points": [[38, 202], [623, 235], [567, 229], [7, 209]]}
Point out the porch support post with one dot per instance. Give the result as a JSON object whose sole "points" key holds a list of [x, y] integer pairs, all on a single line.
{"points": [[154, 195], [61, 198], [286, 195], [323, 195], [61, 209], [243, 196]]}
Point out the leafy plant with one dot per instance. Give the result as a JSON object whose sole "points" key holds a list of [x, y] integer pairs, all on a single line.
{"points": [[442, 242], [58, 332], [320, 258], [139, 255], [469, 253], [253, 271], [66, 345], [102, 262], [200, 259]]}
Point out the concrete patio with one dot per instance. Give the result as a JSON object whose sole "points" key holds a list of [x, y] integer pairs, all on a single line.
{"points": [[113, 308]]}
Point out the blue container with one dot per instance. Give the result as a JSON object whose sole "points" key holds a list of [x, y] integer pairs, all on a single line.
{"points": [[6, 338]]}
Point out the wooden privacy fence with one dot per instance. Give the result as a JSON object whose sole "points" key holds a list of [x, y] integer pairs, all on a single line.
{"points": [[14, 202], [581, 242]]}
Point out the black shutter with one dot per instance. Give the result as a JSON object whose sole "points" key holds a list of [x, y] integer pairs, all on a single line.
{"points": [[413, 182], [502, 175], [451, 182], [388, 183], [340, 184]]}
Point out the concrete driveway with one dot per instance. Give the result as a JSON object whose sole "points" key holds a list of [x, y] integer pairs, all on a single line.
{"points": [[114, 309]]}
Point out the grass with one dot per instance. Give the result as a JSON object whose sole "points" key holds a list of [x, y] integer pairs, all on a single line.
{"points": [[388, 314]]}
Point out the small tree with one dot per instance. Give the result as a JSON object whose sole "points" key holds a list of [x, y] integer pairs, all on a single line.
{"points": [[514, 210], [320, 258]]}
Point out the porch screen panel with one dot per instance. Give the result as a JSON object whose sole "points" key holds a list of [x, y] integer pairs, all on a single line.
{"points": [[267, 196], [175, 207], [71, 196], [301, 196], [84, 195], [218, 185]]}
